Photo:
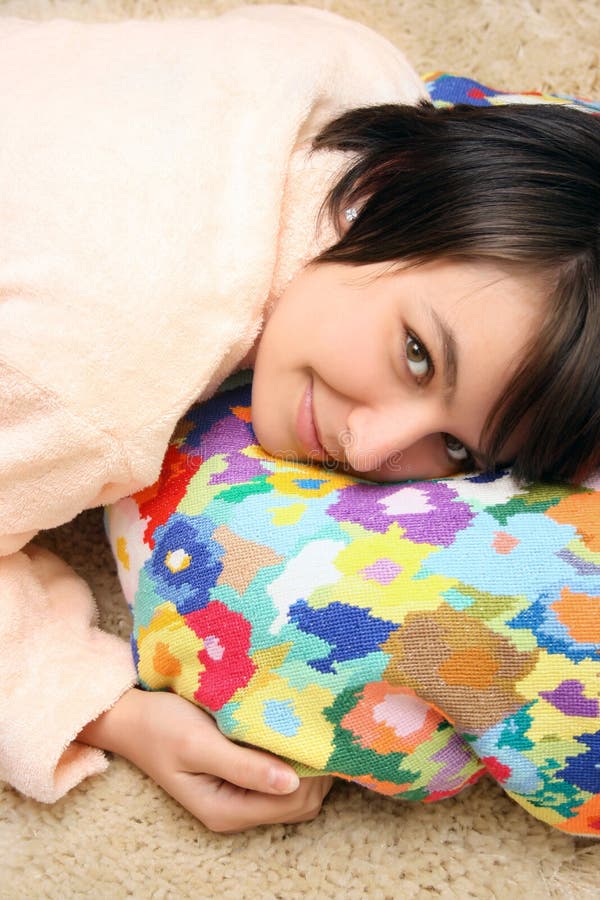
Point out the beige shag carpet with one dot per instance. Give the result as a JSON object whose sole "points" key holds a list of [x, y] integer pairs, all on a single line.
{"points": [[118, 835]]}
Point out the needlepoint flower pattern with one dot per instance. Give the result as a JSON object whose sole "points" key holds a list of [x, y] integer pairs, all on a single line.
{"points": [[408, 637]]}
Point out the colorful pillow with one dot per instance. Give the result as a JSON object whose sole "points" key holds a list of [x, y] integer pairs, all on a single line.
{"points": [[448, 90], [408, 637]]}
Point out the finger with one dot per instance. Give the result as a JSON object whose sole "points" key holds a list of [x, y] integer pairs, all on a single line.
{"points": [[228, 809], [245, 767]]}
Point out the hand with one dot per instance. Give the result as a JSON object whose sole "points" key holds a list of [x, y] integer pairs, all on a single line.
{"points": [[226, 786]]}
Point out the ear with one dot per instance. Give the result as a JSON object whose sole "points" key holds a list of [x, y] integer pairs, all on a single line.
{"points": [[348, 217]]}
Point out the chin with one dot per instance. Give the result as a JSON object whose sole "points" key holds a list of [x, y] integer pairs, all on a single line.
{"points": [[270, 446]]}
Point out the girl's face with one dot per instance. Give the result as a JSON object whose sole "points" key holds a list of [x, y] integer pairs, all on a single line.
{"points": [[390, 374]]}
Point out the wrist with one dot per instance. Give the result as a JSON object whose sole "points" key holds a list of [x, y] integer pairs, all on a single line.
{"points": [[114, 728]]}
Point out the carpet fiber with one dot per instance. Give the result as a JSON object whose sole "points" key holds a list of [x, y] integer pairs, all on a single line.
{"points": [[118, 835]]}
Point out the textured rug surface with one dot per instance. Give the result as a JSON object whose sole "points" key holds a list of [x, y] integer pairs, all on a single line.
{"points": [[118, 835]]}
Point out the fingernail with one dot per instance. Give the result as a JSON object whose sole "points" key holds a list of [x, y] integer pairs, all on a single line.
{"points": [[283, 781]]}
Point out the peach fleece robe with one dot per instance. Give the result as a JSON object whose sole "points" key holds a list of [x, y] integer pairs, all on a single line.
{"points": [[155, 196]]}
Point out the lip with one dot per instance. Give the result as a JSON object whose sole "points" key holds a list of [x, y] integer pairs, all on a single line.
{"points": [[306, 428]]}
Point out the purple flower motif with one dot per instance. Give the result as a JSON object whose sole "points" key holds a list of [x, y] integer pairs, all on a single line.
{"points": [[240, 470], [428, 511], [228, 435], [222, 426], [225, 434], [570, 699]]}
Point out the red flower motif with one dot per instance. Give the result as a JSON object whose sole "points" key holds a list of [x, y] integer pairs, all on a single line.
{"points": [[225, 655], [157, 502]]}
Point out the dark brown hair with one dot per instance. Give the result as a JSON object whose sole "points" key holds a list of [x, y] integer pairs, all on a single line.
{"points": [[518, 185]]}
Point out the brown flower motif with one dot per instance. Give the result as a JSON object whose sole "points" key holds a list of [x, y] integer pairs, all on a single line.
{"points": [[458, 665]]}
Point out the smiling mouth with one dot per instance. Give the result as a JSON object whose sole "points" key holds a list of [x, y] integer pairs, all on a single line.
{"points": [[310, 439], [306, 427]]}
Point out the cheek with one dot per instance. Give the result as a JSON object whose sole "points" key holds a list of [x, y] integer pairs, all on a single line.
{"points": [[275, 356], [275, 386], [265, 381], [263, 420], [353, 357]]}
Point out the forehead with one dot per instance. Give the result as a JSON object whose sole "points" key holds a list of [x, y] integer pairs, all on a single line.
{"points": [[472, 282], [479, 304]]}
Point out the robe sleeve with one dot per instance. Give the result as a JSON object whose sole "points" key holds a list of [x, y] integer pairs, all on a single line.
{"points": [[58, 671]]}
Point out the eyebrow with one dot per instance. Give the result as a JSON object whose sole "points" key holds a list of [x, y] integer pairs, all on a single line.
{"points": [[449, 373], [449, 352]]}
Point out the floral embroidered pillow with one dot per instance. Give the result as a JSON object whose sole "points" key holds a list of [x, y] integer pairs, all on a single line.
{"points": [[409, 637]]}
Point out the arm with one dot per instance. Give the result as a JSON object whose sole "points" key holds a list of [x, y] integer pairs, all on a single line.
{"points": [[59, 672]]}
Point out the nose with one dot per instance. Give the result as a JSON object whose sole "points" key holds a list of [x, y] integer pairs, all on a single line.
{"points": [[376, 435]]}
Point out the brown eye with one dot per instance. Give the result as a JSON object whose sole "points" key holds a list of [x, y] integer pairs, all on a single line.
{"points": [[456, 451], [417, 357]]}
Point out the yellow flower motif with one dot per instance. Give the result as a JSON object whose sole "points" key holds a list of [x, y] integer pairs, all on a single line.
{"points": [[306, 481], [122, 554], [177, 560], [287, 720], [294, 478], [550, 672], [392, 597], [168, 651]]}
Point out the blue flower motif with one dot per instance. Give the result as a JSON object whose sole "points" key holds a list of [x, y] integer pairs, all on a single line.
{"points": [[550, 633], [186, 562], [486, 477]]}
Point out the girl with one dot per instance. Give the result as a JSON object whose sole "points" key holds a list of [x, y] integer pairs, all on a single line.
{"points": [[162, 217]]}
